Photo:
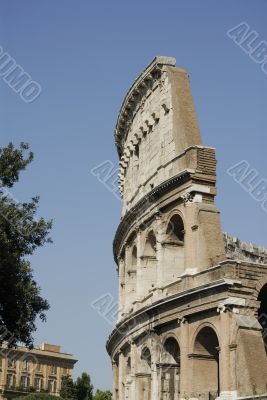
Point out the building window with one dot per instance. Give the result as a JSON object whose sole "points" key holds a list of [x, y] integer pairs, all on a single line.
{"points": [[38, 367], [53, 369], [10, 381], [51, 385], [38, 384], [11, 363], [64, 371], [25, 381], [25, 365]]}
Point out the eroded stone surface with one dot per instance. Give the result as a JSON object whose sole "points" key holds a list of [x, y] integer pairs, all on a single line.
{"points": [[191, 299], [238, 250]]}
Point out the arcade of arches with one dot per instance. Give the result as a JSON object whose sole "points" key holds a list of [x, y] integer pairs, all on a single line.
{"points": [[192, 320], [158, 369]]}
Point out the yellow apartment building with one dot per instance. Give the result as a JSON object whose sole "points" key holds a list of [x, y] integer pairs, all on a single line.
{"points": [[38, 370]]}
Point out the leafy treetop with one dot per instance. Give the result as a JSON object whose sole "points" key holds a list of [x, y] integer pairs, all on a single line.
{"points": [[21, 233]]}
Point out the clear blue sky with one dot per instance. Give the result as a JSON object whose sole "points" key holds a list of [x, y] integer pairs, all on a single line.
{"points": [[85, 54]]}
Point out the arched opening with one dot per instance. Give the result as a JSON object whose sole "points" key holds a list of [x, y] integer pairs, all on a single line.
{"points": [[128, 366], [150, 246], [171, 352], [175, 230], [262, 314], [170, 369], [146, 359], [174, 249], [206, 375], [148, 273], [134, 257], [144, 375]]}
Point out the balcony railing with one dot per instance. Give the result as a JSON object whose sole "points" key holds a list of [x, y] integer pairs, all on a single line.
{"points": [[21, 389]]}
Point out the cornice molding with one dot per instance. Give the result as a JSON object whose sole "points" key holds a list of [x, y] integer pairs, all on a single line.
{"points": [[144, 314]]}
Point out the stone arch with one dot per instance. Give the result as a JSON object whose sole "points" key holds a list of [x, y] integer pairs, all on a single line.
{"points": [[262, 313], [176, 210], [175, 228], [205, 362], [206, 341], [143, 377], [170, 350], [148, 261], [146, 358], [150, 245], [259, 285], [199, 328], [174, 247], [169, 368], [169, 335], [260, 293]]}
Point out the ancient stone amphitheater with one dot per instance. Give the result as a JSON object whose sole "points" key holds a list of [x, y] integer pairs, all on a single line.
{"points": [[192, 300]]}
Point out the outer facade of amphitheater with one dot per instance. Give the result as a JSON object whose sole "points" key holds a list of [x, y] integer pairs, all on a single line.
{"points": [[192, 300]]}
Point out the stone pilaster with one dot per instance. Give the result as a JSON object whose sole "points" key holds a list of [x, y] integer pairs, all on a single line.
{"points": [[155, 382], [226, 389], [133, 370], [128, 260], [139, 265], [184, 361], [115, 382], [121, 376], [121, 266], [161, 231]]}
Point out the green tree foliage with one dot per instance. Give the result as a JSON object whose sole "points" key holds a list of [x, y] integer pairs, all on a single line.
{"points": [[38, 396], [68, 389], [21, 233], [100, 395], [84, 387]]}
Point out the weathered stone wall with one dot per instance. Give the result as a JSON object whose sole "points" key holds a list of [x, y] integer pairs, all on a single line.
{"points": [[156, 124], [150, 144], [189, 295], [238, 250]]}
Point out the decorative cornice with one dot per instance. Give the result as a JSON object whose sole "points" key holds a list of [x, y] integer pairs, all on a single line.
{"points": [[143, 314], [136, 95]]}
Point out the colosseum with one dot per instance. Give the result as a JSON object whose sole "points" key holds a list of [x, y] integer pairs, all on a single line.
{"points": [[192, 300]]}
